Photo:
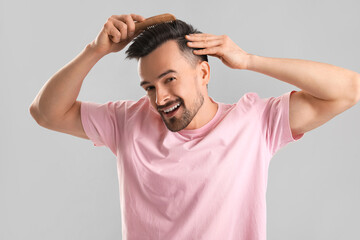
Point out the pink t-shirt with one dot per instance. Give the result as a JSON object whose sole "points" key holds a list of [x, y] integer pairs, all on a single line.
{"points": [[208, 183]]}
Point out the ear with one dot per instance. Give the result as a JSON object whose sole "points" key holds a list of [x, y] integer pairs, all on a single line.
{"points": [[204, 69]]}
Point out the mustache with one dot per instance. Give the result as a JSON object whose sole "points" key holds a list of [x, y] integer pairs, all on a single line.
{"points": [[161, 108]]}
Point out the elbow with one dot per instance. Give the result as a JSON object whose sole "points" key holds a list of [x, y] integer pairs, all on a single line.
{"points": [[35, 114], [32, 111], [357, 87]]}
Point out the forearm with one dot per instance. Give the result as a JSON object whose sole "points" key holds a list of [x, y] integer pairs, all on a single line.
{"points": [[321, 80], [60, 92]]}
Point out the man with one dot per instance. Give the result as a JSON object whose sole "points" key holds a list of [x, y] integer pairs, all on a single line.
{"points": [[191, 167]]}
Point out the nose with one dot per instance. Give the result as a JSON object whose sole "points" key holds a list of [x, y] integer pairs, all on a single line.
{"points": [[162, 96]]}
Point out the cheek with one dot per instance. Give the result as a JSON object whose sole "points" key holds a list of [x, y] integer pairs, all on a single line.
{"points": [[188, 93], [152, 100]]}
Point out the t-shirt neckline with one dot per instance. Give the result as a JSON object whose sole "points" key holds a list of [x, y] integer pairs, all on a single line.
{"points": [[199, 132]]}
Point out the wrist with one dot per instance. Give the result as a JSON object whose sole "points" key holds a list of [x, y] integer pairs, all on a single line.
{"points": [[250, 61], [91, 49]]}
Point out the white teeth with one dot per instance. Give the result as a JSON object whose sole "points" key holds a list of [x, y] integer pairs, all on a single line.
{"points": [[172, 108]]}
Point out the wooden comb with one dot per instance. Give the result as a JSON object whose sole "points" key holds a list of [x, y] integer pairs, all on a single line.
{"points": [[152, 21]]}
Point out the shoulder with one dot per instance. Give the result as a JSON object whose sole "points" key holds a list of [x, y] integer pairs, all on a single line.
{"points": [[249, 101], [252, 99], [138, 107], [117, 108], [246, 106], [136, 112], [128, 106]]}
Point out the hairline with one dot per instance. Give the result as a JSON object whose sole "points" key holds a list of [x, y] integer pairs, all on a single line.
{"points": [[186, 52]]}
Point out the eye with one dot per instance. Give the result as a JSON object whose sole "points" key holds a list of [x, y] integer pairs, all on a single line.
{"points": [[170, 79], [149, 88]]}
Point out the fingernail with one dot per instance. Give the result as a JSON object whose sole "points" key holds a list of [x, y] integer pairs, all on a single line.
{"points": [[131, 34]]}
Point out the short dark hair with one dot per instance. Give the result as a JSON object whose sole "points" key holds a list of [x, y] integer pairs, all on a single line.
{"points": [[154, 36]]}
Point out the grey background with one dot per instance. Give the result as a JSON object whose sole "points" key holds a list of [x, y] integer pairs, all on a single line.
{"points": [[57, 186]]}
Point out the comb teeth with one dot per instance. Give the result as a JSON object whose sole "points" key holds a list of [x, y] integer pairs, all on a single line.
{"points": [[153, 21], [154, 25]]}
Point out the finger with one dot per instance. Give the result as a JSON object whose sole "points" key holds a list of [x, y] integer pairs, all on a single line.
{"points": [[205, 44], [202, 36], [138, 18], [215, 51], [130, 24], [112, 31], [134, 36], [115, 35], [122, 27]]}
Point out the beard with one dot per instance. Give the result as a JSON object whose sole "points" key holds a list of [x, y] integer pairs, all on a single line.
{"points": [[175, 124]]}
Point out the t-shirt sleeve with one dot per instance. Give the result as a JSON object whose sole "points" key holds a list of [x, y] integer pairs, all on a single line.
{"points": [[274, 115], [101, 123]]}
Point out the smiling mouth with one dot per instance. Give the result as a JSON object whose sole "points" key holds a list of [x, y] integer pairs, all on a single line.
{"points": [[172, 108], [169, 112]]}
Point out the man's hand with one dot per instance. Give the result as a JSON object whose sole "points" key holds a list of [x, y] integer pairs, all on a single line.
{"points": [[116, 33], [221, 47]]}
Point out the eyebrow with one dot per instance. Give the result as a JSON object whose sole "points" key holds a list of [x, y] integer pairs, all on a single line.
{"points": [[160, 76]]}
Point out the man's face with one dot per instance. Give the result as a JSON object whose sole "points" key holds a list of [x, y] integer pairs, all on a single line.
{"points": [[172, 84]]}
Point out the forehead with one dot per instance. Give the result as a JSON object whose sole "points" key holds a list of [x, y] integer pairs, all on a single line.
{"points": [[166, 56]]}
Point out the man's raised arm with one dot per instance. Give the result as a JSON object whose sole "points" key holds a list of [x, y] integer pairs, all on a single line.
{"points": [[327, 90], [57, 98]]}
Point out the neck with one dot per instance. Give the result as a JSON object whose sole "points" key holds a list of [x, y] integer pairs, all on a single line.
{"points": [[206, 112]]}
